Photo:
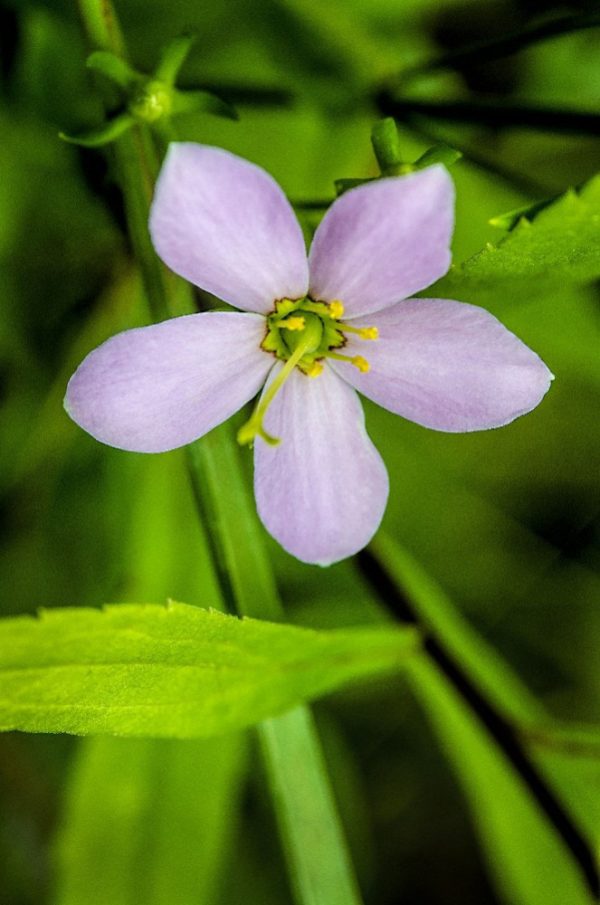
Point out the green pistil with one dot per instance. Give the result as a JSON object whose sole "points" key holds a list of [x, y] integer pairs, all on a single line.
{"points": [[302, 333], [153, 101], [254, 426]]}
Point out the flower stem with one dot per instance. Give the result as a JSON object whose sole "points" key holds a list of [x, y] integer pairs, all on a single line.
{"points": [[498, 114], [318, 862]]}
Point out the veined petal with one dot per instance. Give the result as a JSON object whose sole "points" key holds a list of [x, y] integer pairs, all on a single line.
{"points": [[155, 388], [322, 492], [447, 365], [383, 241], [224, 224]]}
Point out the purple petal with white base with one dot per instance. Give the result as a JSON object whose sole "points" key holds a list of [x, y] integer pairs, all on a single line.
{"points": [[224, 224], [156, 388], [322, 492], [447, 365], [384, 241]]}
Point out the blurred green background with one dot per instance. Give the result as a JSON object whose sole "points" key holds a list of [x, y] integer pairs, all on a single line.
{"points": [[507, 521]]}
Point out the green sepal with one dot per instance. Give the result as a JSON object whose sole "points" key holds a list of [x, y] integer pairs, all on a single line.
{"points": [[344, 185], [386, 146], [103, 134], [202, 102], [113, 67], [441, 153], [172, 58]]}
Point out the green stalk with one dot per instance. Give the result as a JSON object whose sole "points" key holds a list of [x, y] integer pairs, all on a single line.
{"points": [[318, 862]]}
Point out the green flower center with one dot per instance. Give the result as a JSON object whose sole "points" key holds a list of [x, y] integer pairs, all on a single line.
{"points": [[302, 333], [152, 101], [313, 325]]}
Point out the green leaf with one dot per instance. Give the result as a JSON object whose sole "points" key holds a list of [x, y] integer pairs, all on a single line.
{"points": [[131, 810], [561, 243], [174, 671]]}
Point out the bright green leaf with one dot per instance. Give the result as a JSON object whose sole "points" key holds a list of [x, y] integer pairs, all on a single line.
{"points": [[561, 243], [174, 671]]}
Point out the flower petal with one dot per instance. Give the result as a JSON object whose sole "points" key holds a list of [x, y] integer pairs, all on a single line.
{"points": [[447, 365], [224, 224], [322, 492], [383, 241], [155, 388]]}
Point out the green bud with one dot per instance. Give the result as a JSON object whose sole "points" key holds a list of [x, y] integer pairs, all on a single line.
{"points": [[152, 101]]}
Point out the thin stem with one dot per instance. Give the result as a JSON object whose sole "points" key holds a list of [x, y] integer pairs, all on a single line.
{"points": [[102, 26], [411, 597], [318, 863], [496, 48], [135, 187], [310, 829], [520, 181], [495, 114]]}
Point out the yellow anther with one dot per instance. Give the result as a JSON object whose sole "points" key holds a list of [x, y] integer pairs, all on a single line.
{"points": [[336, 309], [316, 369], [357, 360], [292, 323], [361, 363], [368, 333], [361, 332]]}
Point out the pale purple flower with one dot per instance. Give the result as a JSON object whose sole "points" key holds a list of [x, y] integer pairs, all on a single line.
{"points": [[224, 224]]}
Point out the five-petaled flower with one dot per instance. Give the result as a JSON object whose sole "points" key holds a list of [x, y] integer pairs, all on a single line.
{"points": [[313, 331]]}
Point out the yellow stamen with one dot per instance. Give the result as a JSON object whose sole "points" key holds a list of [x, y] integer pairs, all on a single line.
{"points": [[369, 333], [316, 369], [361, 363], [362, 332], [292, 323], [357, 360], [336, 309]]}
